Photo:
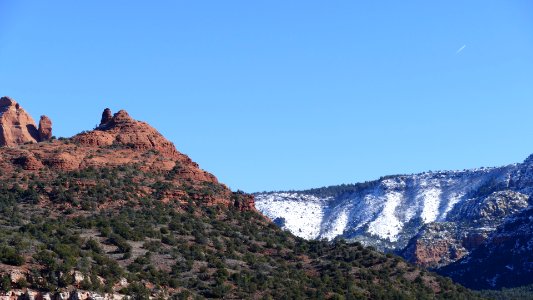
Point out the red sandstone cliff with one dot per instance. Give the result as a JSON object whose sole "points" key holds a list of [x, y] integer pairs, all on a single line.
{"points": [[17, 127]]}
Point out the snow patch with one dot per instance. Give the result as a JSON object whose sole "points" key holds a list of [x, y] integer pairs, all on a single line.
{"points": [[337, 227], [453, 199], [431, 203], [302, 213], [387, 225]]}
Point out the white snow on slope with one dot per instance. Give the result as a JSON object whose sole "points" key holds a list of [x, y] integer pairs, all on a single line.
{"points": [[431, 200], [382, 209], [337, 227], [453, 199], [302, 213], [387, 225]]}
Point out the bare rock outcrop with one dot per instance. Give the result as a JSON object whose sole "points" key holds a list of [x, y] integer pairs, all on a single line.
{"points": [[16, 126], [45, 129], [73, 295], [28, 161], [243, 202], [63, 161], [123, 130], [106, 116], [436, 245], [437, 253]]}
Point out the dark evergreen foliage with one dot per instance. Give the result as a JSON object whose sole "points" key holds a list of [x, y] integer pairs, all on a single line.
{"points": [[185, 248]]}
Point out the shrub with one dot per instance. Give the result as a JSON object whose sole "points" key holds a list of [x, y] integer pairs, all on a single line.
{"points": [[10, 256]]}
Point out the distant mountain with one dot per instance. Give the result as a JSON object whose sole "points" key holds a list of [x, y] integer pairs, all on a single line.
{"points": [[119, 212], [432, 219]]}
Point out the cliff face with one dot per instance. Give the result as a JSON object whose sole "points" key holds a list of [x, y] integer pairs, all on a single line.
{"points": [[467, 226], [17, 127]]}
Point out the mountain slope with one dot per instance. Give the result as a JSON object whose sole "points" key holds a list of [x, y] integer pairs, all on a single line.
{"points": [[467, 226], [510, 253], [432, 219], [119, 211], [386, 212]]}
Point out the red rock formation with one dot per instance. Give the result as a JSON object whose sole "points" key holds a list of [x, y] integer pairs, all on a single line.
{"points": [[16, 126], [124, 131], [244, 202], [106, 116], [437, 245], [118, 141], [45, 129], [436, 253], [64, 162], [28, 162]]}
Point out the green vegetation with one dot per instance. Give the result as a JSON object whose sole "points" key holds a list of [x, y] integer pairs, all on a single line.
{"points": [[110, 224], [523, 292], [336, 190]]}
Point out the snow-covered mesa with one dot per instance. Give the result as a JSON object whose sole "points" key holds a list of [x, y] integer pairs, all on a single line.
{"points": [[389, 210]]}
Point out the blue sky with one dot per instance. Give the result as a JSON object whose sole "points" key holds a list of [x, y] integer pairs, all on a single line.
{"points": [[276, 95]]}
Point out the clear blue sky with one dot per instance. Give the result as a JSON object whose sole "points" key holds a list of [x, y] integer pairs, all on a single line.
{"points": [[275, 95]]}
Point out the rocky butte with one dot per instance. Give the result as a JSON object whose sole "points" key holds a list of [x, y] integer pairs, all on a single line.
{"points": [[119, 140]]}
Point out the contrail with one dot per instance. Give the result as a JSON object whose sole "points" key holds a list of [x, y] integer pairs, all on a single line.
{"points": [[460, 49]]}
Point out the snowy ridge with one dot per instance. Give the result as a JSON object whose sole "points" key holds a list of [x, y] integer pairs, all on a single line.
{"points": [[386, 212]]}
